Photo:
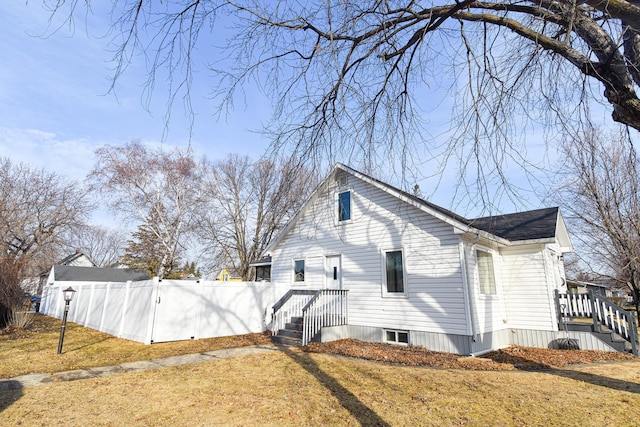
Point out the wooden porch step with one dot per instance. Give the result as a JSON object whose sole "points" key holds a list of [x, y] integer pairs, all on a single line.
{"points": [[605, 335], [579, 326], [284, 340], [291, 334]]}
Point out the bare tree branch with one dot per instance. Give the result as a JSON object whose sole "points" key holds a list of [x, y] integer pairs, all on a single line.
{"points": [[160, 190]]}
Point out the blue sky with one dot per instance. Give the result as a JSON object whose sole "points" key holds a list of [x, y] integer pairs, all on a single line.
{"points": [[55, 109]]}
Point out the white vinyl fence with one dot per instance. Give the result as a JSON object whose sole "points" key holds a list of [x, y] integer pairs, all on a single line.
{"points": [[166, 310]]}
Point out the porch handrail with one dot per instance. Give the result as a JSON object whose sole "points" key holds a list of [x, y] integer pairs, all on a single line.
{"points": [[328, 307], [618, 320], [290, 305], [602, 311]]}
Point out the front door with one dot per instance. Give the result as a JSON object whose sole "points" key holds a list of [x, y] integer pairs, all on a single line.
{"points": [[333, 274]]}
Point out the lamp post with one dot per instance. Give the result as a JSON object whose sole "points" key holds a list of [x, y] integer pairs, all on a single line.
{"points": [[68, 296]]}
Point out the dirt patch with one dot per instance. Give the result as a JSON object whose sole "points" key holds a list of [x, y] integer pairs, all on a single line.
{"points": [[510, 358]]}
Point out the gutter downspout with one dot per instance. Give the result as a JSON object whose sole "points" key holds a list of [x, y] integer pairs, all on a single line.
{"points": [[471, 312]]}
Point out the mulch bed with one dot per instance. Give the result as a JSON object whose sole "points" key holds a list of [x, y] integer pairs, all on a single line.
{"points": [[510, 358]]}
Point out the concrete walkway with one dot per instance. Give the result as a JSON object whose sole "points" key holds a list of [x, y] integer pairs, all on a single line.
{"points": [[32, 380]]}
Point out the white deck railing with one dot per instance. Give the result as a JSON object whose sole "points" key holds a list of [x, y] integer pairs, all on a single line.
{"points": [[328, 307], [288, 307]]}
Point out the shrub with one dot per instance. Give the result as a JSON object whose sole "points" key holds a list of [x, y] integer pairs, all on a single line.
{"points": [[11, 293], [18, 317]]}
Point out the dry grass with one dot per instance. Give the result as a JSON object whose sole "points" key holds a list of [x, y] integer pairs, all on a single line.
{"points": [[296, 388], [24, 351]]}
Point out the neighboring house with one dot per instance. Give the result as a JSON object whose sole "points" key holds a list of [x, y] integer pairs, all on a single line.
{"points": [[618, 294], [414, 273], [262, 269], [77, 259], [229, 276], [581, 287]]}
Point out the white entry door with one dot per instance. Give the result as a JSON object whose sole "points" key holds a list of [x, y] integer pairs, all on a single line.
{"points": [[333, 274]]}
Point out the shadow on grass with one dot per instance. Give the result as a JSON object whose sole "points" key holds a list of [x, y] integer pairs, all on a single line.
{"points": [[89, 344], [10, 392], [365, 415], [599, 380], [524, 364]]}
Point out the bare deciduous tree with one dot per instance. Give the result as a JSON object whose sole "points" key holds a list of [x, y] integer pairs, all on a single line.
{"points": [[37, 209], [249, 202], [103, 245], [156, 188], [349, 79], [602, 195]]}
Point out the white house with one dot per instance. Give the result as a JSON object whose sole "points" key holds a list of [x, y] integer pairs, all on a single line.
{"points": [[406, 271], [365, 260]]}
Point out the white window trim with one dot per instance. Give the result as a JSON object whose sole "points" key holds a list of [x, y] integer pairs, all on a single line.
{"points": [[405, 275], [336, 205], [293, 272], [493, 265], [396, 331]]}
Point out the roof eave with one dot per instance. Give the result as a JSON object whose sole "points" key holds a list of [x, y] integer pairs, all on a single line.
{"points": [[482, 234]]}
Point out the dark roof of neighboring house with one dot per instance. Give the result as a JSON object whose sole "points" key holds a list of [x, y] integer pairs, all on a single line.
{"points": [[529, 225], [263, 261], [587, 284], [70, 273]]}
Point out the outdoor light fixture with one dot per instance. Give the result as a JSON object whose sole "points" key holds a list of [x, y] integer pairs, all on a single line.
{"points": [[68, 296]]}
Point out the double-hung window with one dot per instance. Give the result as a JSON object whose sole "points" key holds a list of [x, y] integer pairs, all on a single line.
{"points": [[394, 272], [486, 275]]}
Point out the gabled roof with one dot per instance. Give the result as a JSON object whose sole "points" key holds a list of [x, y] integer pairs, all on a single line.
{"points": [[539, 225], [69, 273], [74, 257], [529, 225]]}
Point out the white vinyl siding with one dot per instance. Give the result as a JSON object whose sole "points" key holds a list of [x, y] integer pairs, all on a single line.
{"points": [[433, 282], [527, 290], [488, 310]]}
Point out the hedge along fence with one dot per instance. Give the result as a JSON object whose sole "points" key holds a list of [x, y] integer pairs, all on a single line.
{"points": [[166, 310]]}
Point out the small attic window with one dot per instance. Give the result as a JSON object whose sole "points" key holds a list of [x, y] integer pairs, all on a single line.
{"points": [[344, 206]]}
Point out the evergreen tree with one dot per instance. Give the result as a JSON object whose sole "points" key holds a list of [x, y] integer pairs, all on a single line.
{"points": [[145, 251]]}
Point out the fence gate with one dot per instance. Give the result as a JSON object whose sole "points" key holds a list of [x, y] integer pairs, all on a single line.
{"points": [[176, 311]]}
